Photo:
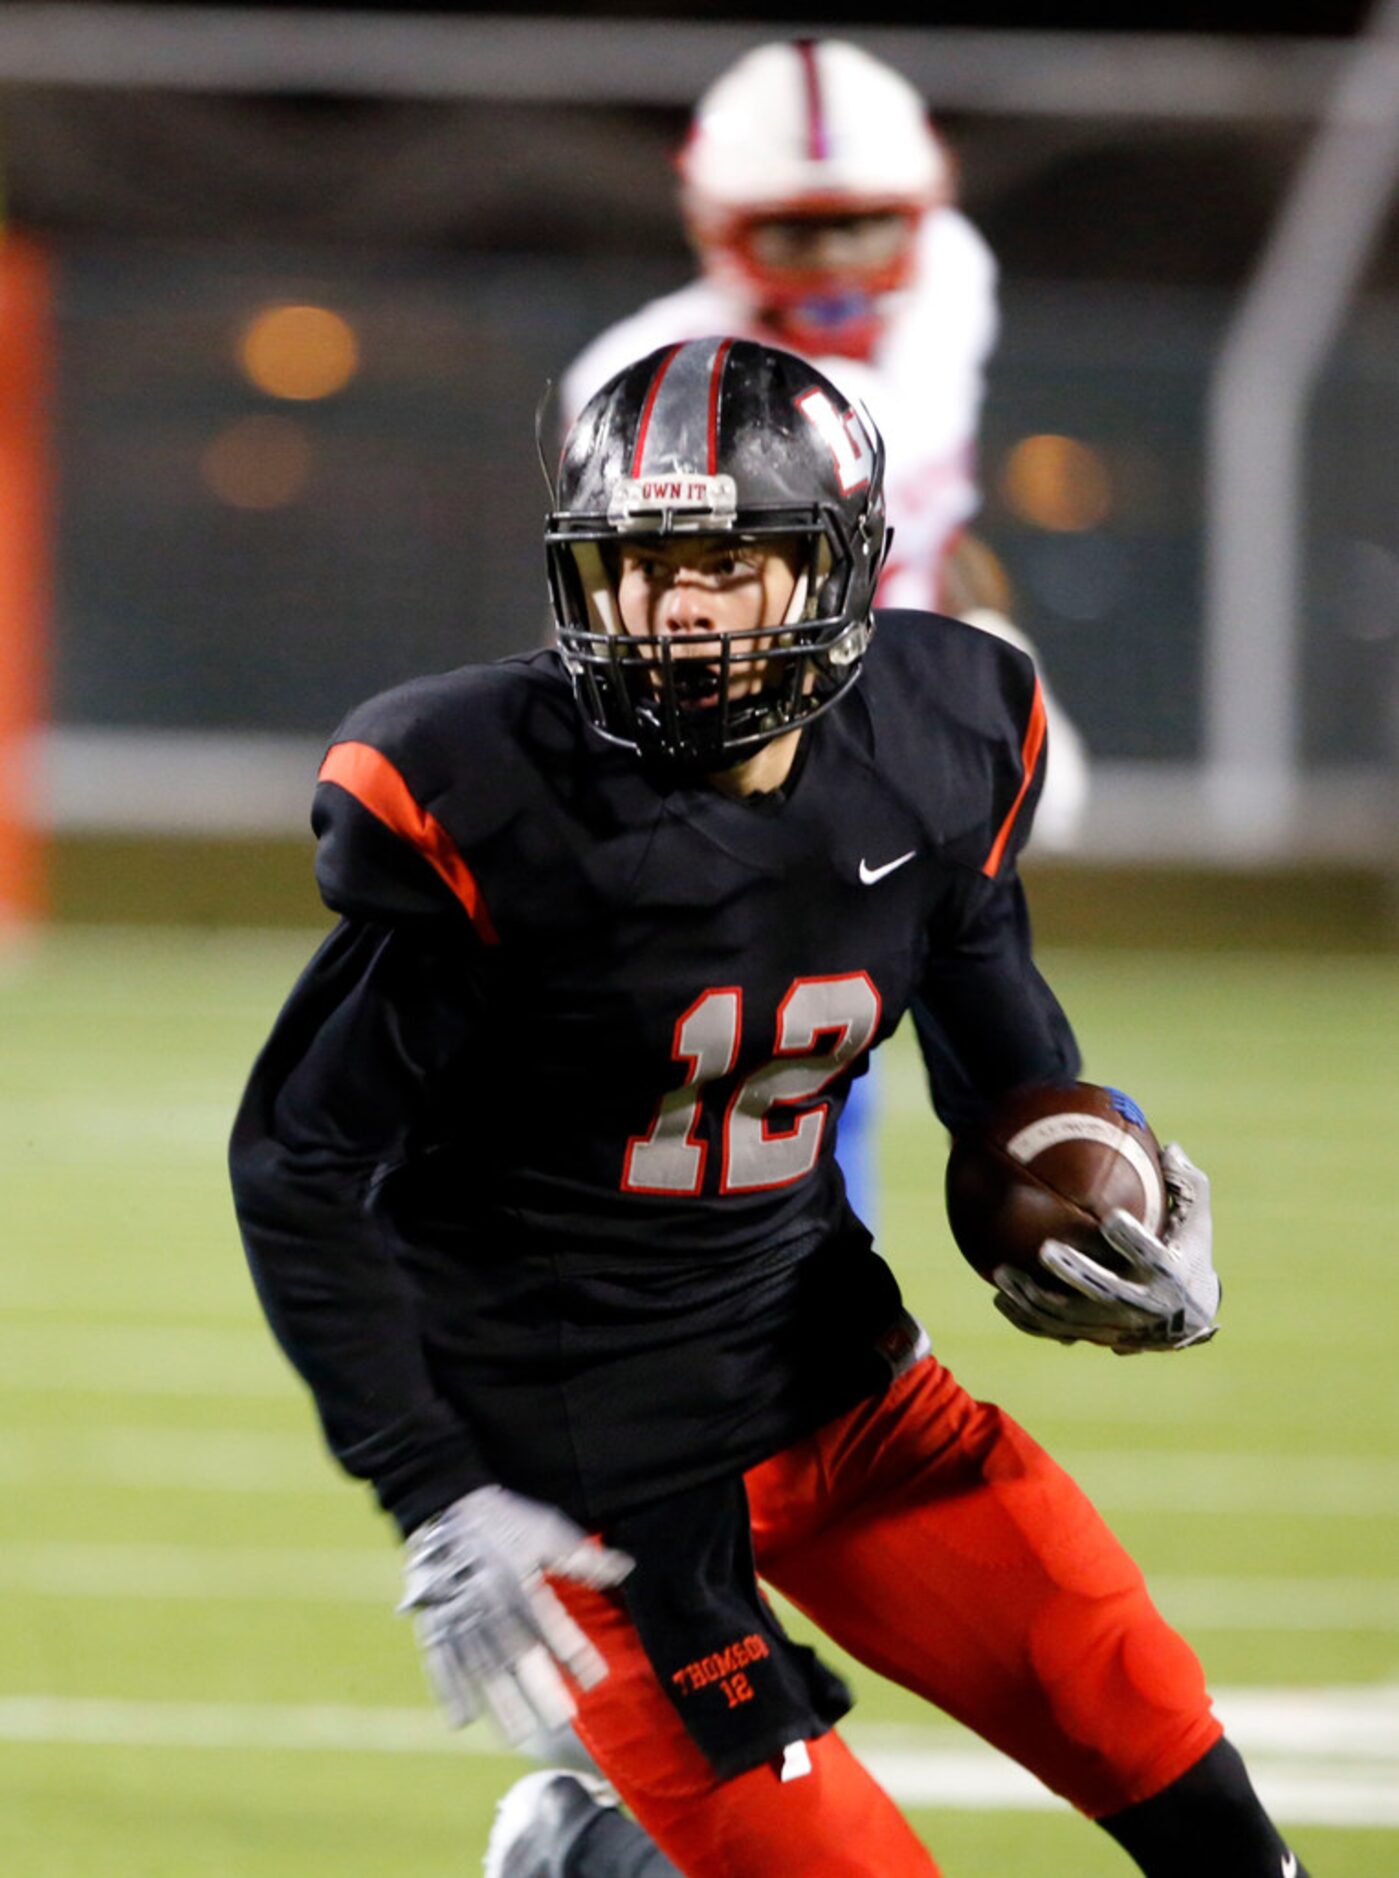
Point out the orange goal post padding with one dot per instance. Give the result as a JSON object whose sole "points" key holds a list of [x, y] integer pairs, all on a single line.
{"points": [[26, 357]]}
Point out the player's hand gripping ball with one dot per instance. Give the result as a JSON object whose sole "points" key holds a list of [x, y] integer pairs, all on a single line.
{"points": [[1087, 1228]]}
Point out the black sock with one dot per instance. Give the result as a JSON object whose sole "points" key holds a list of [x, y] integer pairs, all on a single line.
{"points": [[1208, 1824]]}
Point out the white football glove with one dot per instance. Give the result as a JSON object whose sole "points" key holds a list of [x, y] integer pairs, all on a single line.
{"points": [[1169, 1301], [492, 1633]]}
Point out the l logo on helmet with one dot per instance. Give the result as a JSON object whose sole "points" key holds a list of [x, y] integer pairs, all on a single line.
{"points": [[845, 436]]}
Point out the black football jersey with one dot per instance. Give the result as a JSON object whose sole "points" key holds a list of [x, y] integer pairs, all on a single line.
{"points": [[536, 1171]]}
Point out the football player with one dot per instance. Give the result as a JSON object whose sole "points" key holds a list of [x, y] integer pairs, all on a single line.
{"points": [[821, 202], [535, 1175]]}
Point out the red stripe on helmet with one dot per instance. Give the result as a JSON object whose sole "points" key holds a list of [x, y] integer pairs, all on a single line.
{"points": [[638, 455], [716, 379], [1029, 757], [817, 142]]}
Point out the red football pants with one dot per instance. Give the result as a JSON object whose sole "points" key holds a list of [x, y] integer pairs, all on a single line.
{"points": [[932, 1538]]}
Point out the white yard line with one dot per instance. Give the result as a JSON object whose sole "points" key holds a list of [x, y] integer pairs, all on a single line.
{"points": [[1219, 1602], [126, 1359], [356, 1575], [216, 1460], [112, 1722], [1332, 1759], [243, 1574], [1357, 1722], [234, 1461], [1297, 1795], [66, 1353], [1326, 1484], [75, 1131]]}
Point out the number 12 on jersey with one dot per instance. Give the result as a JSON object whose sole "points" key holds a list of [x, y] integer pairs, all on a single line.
{"points": [[842, 1012]]}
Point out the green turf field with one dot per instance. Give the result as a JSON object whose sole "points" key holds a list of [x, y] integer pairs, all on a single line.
{"points": [[200, 1672]]}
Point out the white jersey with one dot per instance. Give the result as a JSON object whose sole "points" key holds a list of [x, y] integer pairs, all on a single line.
{"points": [[1064, 797], [923, 385]]}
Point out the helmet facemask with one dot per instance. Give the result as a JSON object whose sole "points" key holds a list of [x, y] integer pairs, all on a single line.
{"points": [[685, 699], [818, 291]]}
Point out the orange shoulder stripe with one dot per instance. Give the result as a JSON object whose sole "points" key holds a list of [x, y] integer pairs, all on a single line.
{"points": [[367, 775], [1029, 756]]}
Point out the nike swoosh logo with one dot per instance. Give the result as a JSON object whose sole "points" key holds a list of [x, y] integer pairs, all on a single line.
{"points": [[869, 875]]}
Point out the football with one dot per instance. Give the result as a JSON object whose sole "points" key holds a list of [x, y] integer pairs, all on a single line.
{"points": [[1051, 1164]]}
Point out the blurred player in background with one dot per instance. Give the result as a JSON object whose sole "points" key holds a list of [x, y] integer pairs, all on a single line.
{"points": [[821, 203], [536, 1177]]}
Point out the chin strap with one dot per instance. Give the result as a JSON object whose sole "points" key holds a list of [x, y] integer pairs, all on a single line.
{"points": [[598, 589], [796, 607]]}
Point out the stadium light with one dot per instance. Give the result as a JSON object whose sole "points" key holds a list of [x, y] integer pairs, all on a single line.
{"points": [[1057, 483], [259, 462], [299, 352]]}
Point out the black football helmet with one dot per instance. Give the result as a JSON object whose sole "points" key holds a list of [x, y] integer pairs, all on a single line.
{"points": [[717, 437]]}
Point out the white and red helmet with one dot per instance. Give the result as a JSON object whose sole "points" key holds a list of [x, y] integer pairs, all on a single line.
{"points": [[809, 129]]}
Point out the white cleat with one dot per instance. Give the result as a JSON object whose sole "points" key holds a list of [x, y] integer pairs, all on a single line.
{"points": [[540, 1819]]}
